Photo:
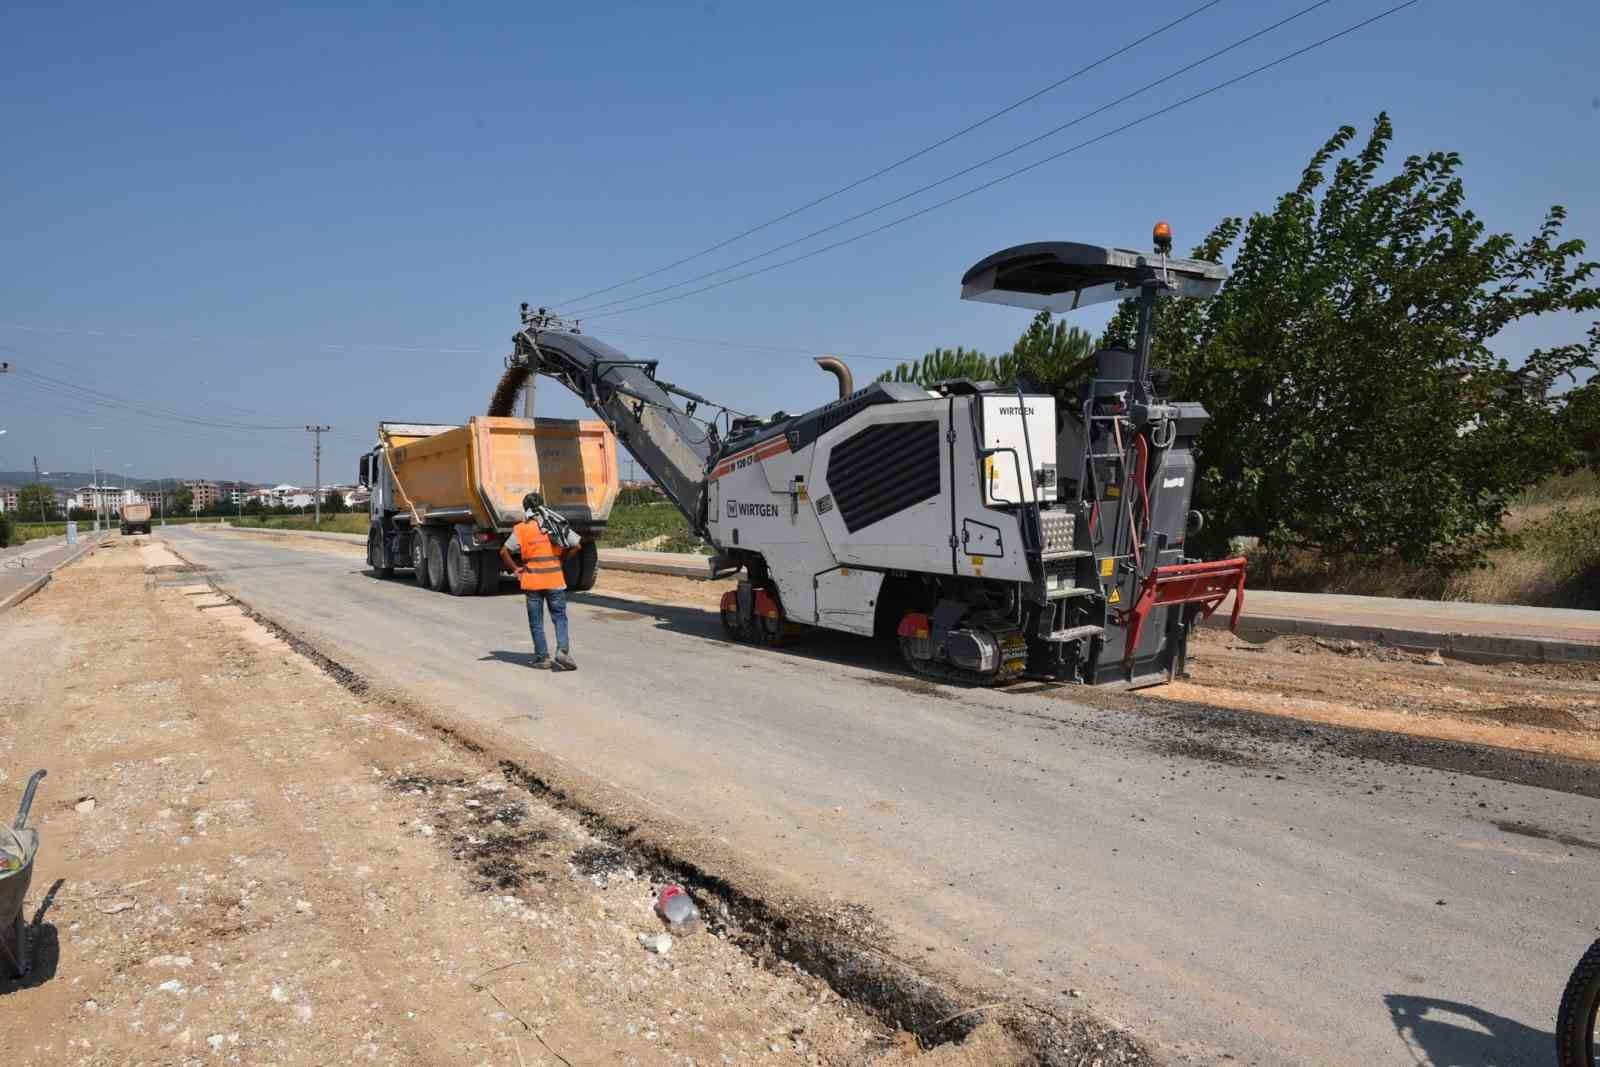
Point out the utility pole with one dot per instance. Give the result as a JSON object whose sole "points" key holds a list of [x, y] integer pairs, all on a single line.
{"points": [[316, 455], [37, 480]]}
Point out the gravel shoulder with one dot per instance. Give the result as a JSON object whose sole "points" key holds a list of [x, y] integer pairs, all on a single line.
{"points": [[244, 862]]}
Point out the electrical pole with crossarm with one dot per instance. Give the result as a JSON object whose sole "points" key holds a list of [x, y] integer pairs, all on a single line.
{"points": [[316, 455]]}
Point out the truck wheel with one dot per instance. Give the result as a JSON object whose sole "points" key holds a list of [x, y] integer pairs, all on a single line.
{"points": [[580, 568], [378, 554], [419, 557], [437, 579], [489, 574], [461, 569]]}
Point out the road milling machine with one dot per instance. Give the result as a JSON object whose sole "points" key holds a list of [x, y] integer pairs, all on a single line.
{"points": [[995, 532]]}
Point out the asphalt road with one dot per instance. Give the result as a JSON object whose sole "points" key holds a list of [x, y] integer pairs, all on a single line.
{"points": [[1227, 894]]}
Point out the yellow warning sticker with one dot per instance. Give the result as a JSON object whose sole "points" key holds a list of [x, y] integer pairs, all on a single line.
{"points": [[977, 561], [1115, 597], [1108, 567], [1113, 491]]}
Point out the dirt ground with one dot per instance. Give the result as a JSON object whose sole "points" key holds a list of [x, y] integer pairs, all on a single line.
{"points": [[243, 862]]}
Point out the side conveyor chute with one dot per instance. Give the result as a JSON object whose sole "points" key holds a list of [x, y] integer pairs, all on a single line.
{"points": [[672, 447]]}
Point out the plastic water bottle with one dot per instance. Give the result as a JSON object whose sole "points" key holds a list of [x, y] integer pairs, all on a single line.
{"points": [[677, 910]]}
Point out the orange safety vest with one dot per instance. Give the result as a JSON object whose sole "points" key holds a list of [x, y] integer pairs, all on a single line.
{"points": [[541, 559]]}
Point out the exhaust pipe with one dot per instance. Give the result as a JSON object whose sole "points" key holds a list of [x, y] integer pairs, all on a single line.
{"points": [[835, 366]]}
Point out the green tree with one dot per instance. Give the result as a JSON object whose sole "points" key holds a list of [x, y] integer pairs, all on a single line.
{"points": [[1051, 355], [182, 501], [334, 504], [1580, 414], [36, 502], [8, 530], [943, 364], [1356, 405]]}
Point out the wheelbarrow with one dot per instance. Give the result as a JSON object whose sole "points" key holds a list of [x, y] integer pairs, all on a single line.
{"points": [[17, 849]]}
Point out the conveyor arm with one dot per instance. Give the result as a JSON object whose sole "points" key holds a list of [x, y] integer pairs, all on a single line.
{"points": [[671, 446]]}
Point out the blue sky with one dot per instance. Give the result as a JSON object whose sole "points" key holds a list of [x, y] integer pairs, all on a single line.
{"points": [[291, 213]]}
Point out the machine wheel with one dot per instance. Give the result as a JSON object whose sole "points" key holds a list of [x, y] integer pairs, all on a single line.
{"points": [[378, 554], [489, 572], [580, 568], [434, 546], [1580, 1013], [461, 569]]}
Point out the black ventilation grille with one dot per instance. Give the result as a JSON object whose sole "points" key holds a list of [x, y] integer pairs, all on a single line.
{"points": [[884, 469]]}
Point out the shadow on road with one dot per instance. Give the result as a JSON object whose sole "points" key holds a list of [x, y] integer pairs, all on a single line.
{"points": [[822, 645], [504, 655], [1445, 1033]]}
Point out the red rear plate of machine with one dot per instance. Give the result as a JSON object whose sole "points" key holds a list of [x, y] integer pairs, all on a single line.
{"points": [[1207, 584]]}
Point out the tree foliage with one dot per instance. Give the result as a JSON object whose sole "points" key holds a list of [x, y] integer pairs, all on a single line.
{"points": [[36, 502], [1046, 355], [182, 500], [1052, 355], [943, 364], [1356, 405]]}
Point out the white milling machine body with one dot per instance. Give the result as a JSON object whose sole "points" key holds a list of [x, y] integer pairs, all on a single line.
{"points": [[991, 533]]}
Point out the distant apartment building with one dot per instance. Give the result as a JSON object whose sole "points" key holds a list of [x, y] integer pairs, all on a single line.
{"points": [[105, 499], [8, 498], [203, 494]]}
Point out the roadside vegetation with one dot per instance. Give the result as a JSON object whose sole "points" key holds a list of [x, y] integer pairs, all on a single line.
{"points": [[644, 521]]}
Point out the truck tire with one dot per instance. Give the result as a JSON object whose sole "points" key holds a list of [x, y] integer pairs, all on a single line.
{"points": [[378, 554], [461, 569], [419, 556], [438, 581], [580, 568], [489, 573]]}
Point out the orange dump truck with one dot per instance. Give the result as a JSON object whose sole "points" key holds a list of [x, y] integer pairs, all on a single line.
{"points": [[135, 518], [444, 498]]}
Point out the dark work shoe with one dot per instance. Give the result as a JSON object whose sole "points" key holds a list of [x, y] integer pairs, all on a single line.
{"points": [[563, 662], [540, 663]]}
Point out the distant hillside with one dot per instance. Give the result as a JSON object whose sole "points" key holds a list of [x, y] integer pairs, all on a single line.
{"points": [[73, 479]]}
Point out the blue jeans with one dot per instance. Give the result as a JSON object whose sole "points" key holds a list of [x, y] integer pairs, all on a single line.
{"points": [[557, 599]]}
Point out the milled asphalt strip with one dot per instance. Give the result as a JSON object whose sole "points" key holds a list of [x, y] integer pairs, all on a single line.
{"points": [[17, 596]]}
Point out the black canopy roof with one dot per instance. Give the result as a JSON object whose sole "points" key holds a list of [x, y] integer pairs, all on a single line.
{"points": [[1062, 275]]}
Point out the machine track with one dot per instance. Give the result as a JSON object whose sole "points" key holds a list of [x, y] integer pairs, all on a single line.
{"points": [[1013, 661]]}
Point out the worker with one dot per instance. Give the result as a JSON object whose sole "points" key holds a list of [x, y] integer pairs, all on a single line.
{"points": [[539, 572]]}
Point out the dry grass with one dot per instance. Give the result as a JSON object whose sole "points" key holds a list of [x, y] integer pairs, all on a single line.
{"points": [[1555, 561]]}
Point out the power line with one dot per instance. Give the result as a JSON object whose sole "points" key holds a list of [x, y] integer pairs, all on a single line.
{"points": [[1020, 170], [107, 400], [1013, 150], [1158, 31], [817, 349]]}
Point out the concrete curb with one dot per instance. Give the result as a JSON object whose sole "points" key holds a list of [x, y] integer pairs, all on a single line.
{"points": [[13, 599], [1474, 648]]}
